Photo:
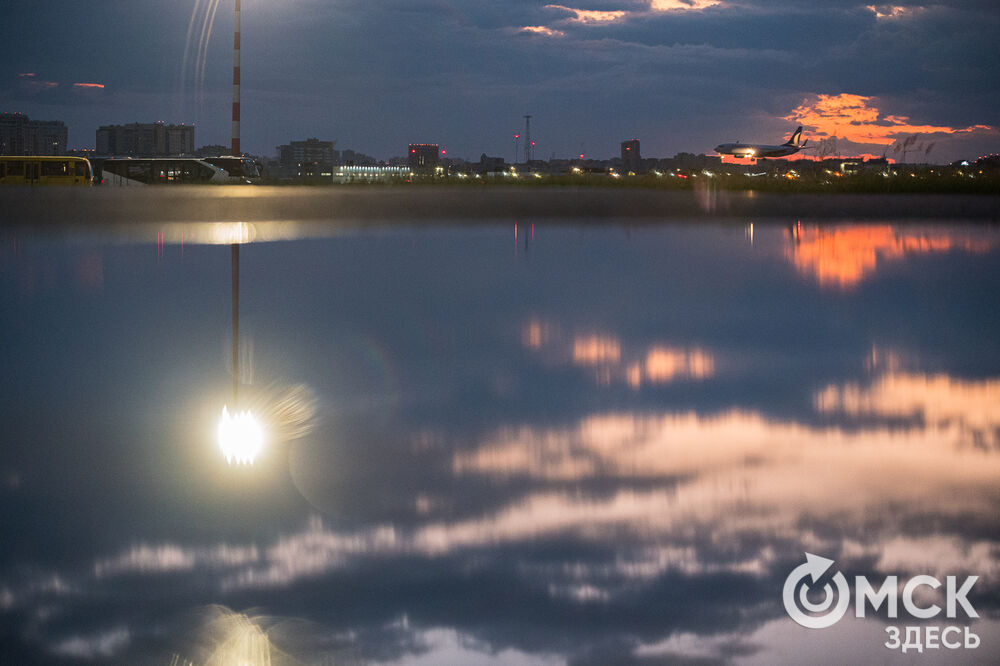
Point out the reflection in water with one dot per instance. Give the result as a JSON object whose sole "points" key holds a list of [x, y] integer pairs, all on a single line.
{"points": [[842, 257], [238, 640], [736, 466], [604, 354], [93, 647], [240, 437], [230, 638], [625, 469], [941, 403]]}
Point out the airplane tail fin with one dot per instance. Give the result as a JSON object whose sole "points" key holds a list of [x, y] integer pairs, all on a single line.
{"points": [[796, 137]]}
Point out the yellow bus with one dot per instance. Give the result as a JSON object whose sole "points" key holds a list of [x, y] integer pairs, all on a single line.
{"points": [[29, 170]]}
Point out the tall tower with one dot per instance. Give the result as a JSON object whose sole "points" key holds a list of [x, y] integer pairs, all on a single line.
{"points": [[236, 84], [527, 139]]}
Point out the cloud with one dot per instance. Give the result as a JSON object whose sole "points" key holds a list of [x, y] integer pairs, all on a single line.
{"points": [[857, 119], [682, 5], [893, 11], [30, 84], [542, 30], [589, 15], [852, 124]]}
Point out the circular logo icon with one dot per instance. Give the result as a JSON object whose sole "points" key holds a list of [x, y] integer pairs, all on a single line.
{"points": [[814, 568]]}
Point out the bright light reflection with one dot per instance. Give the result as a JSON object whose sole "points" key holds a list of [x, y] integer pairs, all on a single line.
{"points": [[240, 437], [238, 640]]}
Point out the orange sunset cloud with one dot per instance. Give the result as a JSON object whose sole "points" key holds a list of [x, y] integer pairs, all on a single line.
{"points": [[682, 5], [855, 118], [590, 15], [542, 30]]}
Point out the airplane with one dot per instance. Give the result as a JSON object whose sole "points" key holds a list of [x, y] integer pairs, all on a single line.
{"points": [[760, 151]]}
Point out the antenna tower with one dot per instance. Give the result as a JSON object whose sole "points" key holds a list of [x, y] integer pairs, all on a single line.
{"points": [[527, 139]]}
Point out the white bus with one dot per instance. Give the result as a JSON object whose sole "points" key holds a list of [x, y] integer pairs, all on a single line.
{"points": [[176, 170]]}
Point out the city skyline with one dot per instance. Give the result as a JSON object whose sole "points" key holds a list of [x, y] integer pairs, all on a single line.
{"points": [[681, 76]]}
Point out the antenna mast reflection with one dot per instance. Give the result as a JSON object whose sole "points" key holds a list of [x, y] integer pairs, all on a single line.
{"points": [[236, 324], [240, 436]]}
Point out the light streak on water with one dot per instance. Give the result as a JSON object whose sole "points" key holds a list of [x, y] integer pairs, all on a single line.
{"points": [[230, 638]]}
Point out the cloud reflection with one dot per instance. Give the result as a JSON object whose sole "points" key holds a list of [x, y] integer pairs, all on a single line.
{"points": [[612, 362], [556, 518], [941, 403], [167, 558], [726, 475], [843, 257], [103, 645]]}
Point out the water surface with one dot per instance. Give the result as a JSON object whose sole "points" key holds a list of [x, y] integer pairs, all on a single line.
{"points": [[511, 443]]}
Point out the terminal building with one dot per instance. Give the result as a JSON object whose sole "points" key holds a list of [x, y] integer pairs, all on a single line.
{"points": [[369, 174], [19, 135], [146, 140]]}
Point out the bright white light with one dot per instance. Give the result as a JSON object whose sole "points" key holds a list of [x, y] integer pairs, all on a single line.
{"points": [[240, 437]]}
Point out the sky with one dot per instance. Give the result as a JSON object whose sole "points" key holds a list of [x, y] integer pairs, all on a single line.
{"points": [[680, 75]]}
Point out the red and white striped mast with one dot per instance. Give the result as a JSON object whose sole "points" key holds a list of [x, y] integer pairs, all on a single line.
{"points": [[236, 84]]}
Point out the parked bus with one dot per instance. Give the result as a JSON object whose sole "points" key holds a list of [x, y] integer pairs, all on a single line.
{"points": [[39, 170], [175, 170]]}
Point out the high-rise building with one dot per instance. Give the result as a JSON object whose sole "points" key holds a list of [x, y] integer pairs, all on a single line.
{"points": [[145, 140], [19, 135], [424, 156], [631, 160], [309, 159], [310, 151]]}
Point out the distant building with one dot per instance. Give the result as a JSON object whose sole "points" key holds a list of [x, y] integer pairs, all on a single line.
{"points": [[692, 161], [213, 150], [424, 156], [19, 135], [352, 158], [860, 165], [351, 173], [489, 164], [311, 155], [990, 163], [146, 140], [631, 160]]}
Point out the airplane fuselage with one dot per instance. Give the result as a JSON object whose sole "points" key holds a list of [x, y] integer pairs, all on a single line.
{"points": [[754, 150], [761, 150]]}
